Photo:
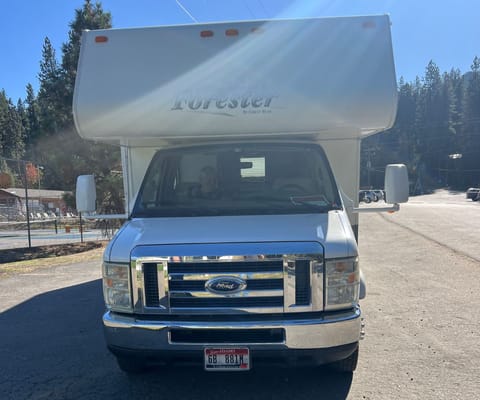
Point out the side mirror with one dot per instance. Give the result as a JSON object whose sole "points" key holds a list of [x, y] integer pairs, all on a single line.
{"points": [[86, 195], [396, 184]]}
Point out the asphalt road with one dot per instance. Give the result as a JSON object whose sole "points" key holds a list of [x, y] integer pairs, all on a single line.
{"points": [[421, 311]]}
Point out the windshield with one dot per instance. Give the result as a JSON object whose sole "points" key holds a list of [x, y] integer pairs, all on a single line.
{"points": [[237, 179]]}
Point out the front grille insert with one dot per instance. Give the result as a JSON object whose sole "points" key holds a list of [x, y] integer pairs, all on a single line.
{"points": [[282, 277], [225, 267], [226, 336], [252, 284], [151, 285], [302, 283], [263, 278]]}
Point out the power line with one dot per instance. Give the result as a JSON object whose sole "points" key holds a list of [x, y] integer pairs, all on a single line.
{"points": [[264, 8], [249, 9], [184, 9]]}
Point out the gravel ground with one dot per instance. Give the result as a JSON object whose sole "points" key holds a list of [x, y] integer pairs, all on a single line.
{"points": [[422, 324]]}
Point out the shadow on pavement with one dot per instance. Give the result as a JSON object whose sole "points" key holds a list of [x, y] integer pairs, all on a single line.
{"points": [[52, 347]]}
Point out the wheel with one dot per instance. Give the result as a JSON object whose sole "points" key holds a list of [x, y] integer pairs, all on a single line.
{"points": [[367, 199], [131, 365], [348, 364]]}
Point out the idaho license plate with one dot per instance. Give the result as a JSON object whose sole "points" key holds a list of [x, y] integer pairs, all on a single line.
{"points": [[227, 359]]}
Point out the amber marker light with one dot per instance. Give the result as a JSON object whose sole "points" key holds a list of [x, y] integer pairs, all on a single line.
{"points": [[101, 39], [231, 32], [206, 34], [369, 24]]}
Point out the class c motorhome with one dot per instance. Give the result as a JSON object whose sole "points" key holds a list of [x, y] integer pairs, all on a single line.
{"points": [[240, 147]]}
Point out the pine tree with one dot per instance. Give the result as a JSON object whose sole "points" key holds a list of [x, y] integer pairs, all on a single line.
{"points": [[77, 156], [50, 96], [471, 124], [11, 129], [88, 17], [32, 123]]}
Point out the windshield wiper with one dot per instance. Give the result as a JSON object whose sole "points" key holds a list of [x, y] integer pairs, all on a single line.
{"points": [[314, 202]]}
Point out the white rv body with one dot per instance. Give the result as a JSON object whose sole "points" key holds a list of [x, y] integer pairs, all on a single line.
{"points": [[302, 84]]}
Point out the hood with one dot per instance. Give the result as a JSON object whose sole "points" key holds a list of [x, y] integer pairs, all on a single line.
{"points": [[332, 230]]}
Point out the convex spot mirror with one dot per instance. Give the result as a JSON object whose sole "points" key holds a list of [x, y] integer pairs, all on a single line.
{"points": [[396, 184], [86, 195]]}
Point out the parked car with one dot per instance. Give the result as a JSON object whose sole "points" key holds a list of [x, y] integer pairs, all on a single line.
{"points": [[473, 194], [377, 194], [366, 196]]}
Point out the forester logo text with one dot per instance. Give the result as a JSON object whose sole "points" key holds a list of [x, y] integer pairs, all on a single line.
{"points": [[248, 104]]}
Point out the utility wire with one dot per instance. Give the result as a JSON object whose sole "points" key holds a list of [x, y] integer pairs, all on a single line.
{"points": [[184, 9], [249, 9], [264, 9]]}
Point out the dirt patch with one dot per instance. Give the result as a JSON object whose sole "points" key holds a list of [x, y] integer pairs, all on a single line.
{"points": [[50, 256], [22, 254]]}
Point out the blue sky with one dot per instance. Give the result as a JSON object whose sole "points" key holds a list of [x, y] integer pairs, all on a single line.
{"points": [[446, 31]]}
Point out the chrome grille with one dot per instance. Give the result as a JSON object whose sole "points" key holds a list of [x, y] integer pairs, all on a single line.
{"points": [[218, 266], [187, 284], [284, 277]]}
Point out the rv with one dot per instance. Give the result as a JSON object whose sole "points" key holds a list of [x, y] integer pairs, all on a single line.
{"points": [[240, 146]]}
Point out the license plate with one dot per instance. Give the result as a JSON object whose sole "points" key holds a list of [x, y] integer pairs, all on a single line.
{"points": [[227, 359]]}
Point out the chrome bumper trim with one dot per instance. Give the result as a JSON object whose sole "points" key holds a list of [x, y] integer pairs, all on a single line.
{"points": [[135, 334]]}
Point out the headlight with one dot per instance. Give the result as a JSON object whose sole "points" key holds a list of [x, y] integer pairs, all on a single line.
{"points": [[116, 287], [342, 283]]}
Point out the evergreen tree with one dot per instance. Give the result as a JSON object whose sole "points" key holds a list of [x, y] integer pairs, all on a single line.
{"points": [[471, 124], [11, 129], [3, 120], [51, 106], [32, 123], [90, 16], [77, 156]]}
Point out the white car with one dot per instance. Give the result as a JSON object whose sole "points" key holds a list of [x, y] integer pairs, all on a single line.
{"points": [[473, 194]]}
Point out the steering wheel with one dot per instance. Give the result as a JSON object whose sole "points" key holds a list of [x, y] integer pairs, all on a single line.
{"points": [[292, 187]]}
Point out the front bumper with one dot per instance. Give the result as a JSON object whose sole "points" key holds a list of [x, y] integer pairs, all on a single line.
{"points": [[334, 336]]}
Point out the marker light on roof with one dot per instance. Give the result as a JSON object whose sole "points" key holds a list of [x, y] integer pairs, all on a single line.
{"points": [[231, 32], [206, 34], [369, 24], [101, 39]]}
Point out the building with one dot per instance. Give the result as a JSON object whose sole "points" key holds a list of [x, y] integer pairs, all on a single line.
{"points": [[10, 205], [39, 200]]}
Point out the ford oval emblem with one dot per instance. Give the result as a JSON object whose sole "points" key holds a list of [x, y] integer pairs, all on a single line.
{"points": [[225, 285]]}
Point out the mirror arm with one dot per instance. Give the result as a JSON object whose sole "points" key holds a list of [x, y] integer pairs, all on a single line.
{"points": [[393, 208]]}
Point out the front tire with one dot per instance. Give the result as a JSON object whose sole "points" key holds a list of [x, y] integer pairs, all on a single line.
{"points": [[131, 366], [348, 364]]}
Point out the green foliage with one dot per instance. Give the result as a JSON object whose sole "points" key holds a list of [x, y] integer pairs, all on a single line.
{"points": [[12, 142], [436, 133], [51, 126], [88, 17]]}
